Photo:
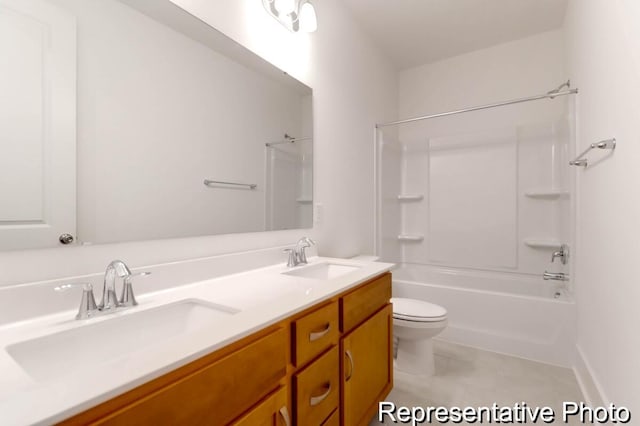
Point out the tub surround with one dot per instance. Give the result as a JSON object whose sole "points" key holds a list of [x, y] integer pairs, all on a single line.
{"points": [[263, 297]]}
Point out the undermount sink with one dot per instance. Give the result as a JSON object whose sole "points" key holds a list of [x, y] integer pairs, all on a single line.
{"points": [[322, 271], [91, 345]]}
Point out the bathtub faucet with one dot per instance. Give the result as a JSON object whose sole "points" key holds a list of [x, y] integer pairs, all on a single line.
{"points": [[556, 276]]}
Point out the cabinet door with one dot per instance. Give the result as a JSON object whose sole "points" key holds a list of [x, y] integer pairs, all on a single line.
{"points": [[367, 368], [273, 411]]}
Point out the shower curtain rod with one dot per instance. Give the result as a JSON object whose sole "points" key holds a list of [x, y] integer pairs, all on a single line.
{"points": [[549, 95]]}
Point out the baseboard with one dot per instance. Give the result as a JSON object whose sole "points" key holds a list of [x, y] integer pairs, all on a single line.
{"points": [[589, 385]]}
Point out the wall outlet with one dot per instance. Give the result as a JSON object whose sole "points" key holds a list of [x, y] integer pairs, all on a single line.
{"points": [[318, 213]]}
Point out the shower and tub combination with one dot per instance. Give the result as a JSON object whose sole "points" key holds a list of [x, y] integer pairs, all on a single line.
{"points": [[476, 208]]}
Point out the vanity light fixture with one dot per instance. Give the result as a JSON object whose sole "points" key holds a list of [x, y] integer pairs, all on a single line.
{"points": [[295, 15]]}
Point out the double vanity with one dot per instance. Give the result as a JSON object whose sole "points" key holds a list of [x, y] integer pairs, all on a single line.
{"points": [[306, 345]]}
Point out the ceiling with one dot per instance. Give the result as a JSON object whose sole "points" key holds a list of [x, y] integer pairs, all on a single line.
{"points": [[415, 32]]}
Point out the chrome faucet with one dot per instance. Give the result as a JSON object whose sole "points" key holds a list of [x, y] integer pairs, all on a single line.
{"points": [[302, 244], [110, 302], [297, 255], [555, 276], [109, 299], [563, 254]]}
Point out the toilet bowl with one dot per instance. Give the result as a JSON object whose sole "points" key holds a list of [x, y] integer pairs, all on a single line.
{"points": [[415, 323]]}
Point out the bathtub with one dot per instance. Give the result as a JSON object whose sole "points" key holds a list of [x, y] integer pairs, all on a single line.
{"points": [[514, 314]]}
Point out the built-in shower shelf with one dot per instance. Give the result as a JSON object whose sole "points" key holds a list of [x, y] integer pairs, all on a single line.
{"points": [[542, 243], [304, 200], [410, 238], [549, 194], [410, 197]]}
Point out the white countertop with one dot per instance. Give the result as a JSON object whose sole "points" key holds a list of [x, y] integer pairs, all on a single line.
{"points": [[263, 296]]}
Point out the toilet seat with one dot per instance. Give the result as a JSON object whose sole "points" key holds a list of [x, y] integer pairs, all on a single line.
{"points": [[417, 310]]}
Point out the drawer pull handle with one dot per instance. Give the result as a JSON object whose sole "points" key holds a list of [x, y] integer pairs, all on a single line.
{"points": [[284, 413], [351, 365], [313, 336], [315, 400]]}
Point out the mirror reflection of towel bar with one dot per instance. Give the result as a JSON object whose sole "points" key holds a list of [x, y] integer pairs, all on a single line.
{"points": [[606, 144], [208, 182]]}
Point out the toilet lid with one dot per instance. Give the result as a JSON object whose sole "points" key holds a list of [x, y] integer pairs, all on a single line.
{"points": [[417, 310]]}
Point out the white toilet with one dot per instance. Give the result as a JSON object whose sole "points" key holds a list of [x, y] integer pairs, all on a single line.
{"points": [[415, 323]]}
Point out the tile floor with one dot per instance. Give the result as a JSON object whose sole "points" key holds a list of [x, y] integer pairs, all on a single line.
{"points": [[471, 377]]}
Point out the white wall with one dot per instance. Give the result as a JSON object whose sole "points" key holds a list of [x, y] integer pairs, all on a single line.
{"points": [[354, 87], [604, 63], [475, 168]]}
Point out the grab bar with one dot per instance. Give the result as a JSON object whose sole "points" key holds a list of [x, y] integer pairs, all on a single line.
{"points": [[606, 144], [208, 182]]}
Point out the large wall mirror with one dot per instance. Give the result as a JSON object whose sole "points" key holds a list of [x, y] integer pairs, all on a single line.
{"points": [[127, 120]]}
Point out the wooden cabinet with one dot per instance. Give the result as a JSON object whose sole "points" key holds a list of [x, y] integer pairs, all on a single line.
{"points": [[368, 367], [327, 365], [365, 357]]}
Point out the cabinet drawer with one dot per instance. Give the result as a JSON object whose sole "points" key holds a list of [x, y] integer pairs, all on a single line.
{"points": [[215, 394], [314, 333], [363, 302], [317, 389], [273, 411]]}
